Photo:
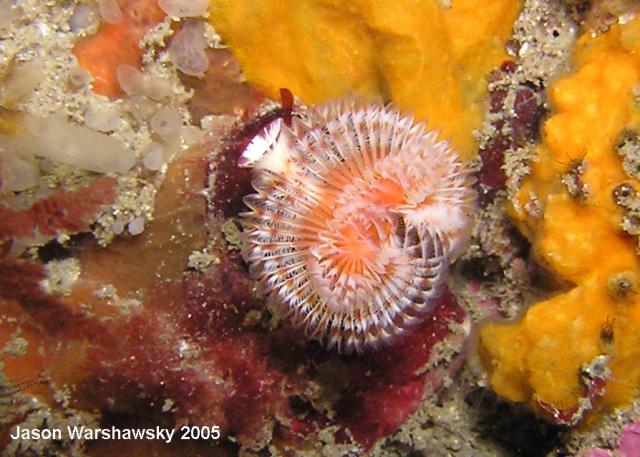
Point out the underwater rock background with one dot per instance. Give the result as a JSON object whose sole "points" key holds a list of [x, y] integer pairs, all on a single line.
{"points": [[124, 300]]}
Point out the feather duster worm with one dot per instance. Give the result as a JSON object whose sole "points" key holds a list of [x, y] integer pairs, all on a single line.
{"points": [[358, 214]]}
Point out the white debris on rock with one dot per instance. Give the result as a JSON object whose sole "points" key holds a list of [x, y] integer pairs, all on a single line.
{"points": [[200, 260], [135, 199], [126, 306], [61, 276], [191, 135]]}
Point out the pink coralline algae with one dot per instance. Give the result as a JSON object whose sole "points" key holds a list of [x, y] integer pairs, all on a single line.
{"points": [[217, 367], [385, 386], [630, 440], [628, 445], [515, 129], [210, 379], [61, 212]]}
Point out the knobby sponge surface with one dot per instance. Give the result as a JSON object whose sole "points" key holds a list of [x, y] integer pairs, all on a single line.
{"points": [[579, 238]]}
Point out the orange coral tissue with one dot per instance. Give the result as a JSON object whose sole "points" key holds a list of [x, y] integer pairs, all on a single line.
{"points": [[358, 214]]}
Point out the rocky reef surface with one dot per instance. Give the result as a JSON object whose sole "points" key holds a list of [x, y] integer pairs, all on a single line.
{"points": [[125, 301]]}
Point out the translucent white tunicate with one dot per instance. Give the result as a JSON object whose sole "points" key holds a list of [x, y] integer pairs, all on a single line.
{"points": [[142, 109], [102, 119], [171, 144], [22, 79], [79, 77], [153, 157], [17, 173], [184, 8], [136, 226], [129, 78], [166, 122], [110, 11], [82, 18], [55, 138], [187, 49], [158, 89], [118, 227]]}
